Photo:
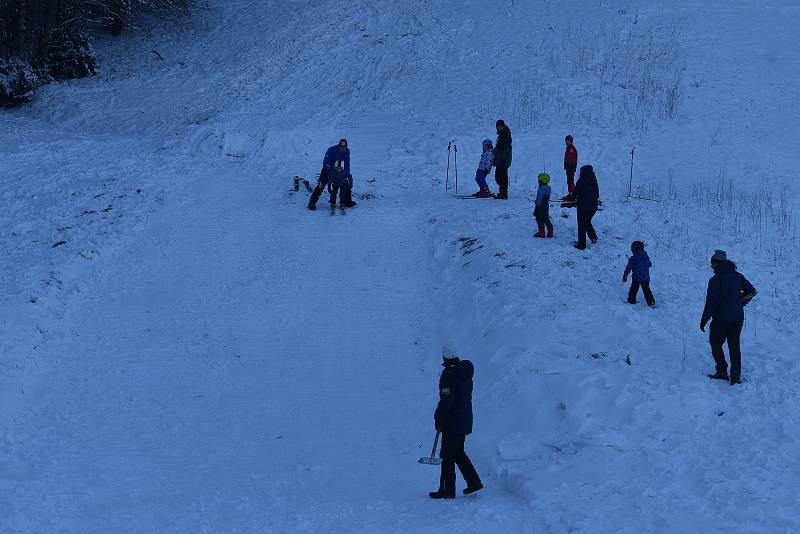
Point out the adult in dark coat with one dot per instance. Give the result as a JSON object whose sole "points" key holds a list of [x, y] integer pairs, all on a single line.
{"points": [[502, 158], [727, 295], [335, 163], [453, 418], [586, 195]]}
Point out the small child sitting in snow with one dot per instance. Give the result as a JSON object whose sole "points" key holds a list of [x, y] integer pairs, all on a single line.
{"points": [[542, 209], [640, 265], [484, 168]]}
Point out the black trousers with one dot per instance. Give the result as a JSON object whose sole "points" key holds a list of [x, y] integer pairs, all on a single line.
{"points": [[585, 226], [648, 295], [452, 455], [322, 183], [718, 334], [542, 216], [501, 177], [340, 190], [345, 197]]}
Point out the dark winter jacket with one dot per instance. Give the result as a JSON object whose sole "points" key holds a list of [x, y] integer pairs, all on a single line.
{"points": [[586, 190], [454, 412], [728, 292], [502, 149], [640, 264], [570, 158]]}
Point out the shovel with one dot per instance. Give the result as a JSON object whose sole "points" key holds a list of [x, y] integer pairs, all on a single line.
{"points": [[432, 460]]}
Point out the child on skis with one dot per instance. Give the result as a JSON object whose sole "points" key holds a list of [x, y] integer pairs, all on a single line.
{"points": [[484, 168], [542, 209], [340, 181], [639, 264]]}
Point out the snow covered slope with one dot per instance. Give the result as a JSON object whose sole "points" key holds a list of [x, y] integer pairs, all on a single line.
{"points": [[185, 348]]}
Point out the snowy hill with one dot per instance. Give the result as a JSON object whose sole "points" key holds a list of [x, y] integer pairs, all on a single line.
{"points": [[186, 348]]}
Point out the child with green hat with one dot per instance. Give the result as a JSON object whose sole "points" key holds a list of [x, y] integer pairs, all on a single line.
{"points": [[542, 209]]}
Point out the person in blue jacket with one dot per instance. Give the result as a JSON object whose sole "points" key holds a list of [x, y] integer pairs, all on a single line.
{"points": [[453, 418], [727, 295], [542, 210], [336, 163], [639, 264], [484, 168]]}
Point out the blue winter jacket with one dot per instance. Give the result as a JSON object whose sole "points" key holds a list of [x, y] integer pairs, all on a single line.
{"points": [[543, 195], [640, 264], [332, 156], [487, 158]]}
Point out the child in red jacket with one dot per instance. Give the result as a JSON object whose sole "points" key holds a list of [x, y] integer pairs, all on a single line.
{"points": [[570, 163]]}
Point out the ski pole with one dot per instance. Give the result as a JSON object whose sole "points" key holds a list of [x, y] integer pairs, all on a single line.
{"points": [[447, 173], [455, 162], [630, 183]]}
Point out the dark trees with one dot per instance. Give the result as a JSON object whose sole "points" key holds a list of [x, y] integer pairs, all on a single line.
{"points": [[49, 39]]}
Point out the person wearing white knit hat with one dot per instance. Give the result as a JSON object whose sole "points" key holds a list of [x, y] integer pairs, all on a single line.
{"points": [[453, 418]]}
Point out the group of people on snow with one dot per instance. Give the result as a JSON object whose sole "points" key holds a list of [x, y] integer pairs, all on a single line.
{"points": [[583, 195], [498, 156], [335, 175], [727, 294]]}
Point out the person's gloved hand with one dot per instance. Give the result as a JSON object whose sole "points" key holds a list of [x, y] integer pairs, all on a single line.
{"points": [[624, 277], [702, 326]]}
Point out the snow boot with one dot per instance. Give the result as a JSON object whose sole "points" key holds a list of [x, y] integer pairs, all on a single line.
{"points": [[719, 376], [440, 495], [349, 203], [312, 207], [472, 489], [593, 240], [484, 193], [540, 233], [550, 233], [735, 381]]}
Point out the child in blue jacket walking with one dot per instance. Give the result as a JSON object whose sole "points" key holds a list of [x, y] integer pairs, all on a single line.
{"points": [[639, 264]]}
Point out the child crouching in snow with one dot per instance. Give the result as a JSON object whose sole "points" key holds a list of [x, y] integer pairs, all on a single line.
{"points": [[640, 265], [484, 168], [542, 209]]}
